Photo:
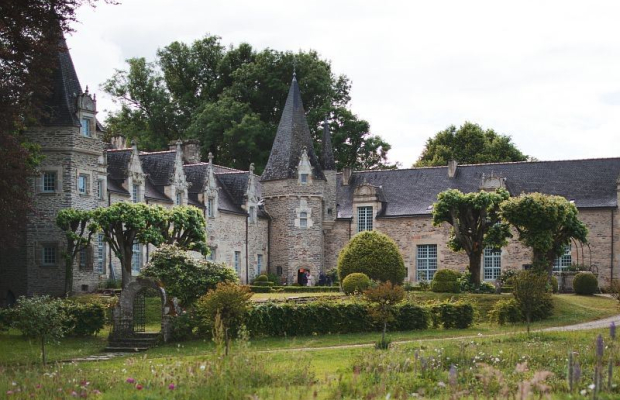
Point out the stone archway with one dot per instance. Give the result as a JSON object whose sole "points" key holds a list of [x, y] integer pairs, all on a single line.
{"points": [[125, 313]]}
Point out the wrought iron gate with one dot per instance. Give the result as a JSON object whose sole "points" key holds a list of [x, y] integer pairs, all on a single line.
{"points": [[139, 312]]}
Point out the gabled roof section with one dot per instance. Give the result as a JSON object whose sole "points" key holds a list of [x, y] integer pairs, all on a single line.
{"points": [[159, 166], [62, 104], [118, 162], [196, 174], [589, 183], [292, 137]]}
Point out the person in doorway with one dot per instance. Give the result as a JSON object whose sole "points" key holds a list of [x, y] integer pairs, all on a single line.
{"points": [[303, 278], [310, 279]]}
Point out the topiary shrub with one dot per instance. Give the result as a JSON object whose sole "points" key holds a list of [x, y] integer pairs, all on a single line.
{"points": [[373, 254], [356, 282], [446, 281], [261, 278], [585, 283]]}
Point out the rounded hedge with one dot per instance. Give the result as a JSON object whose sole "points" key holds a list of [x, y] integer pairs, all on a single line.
{"points": [[373, 254], [446, 281], [355, 282], [585, 283], [262, 278]]}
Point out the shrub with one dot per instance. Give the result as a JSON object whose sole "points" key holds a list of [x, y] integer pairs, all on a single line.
{"points": [[182, 327], [506, 311], [383, 300], [450, 315], [467, 285], [411, 317], [373, 254], [185, 277], [446, 281], [40, 317], [553, 284], [356, 282], [83, 319], [275, 279], [6, 318], [530, 293], [260, 289], [585, 283], [307, 289], [224, 308], [263, 283]]}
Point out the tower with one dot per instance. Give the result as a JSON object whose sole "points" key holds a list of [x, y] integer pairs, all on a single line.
{"points": [[293, 189]]}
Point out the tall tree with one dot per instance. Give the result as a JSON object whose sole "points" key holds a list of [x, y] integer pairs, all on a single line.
{"points": [[232, 99], [469, 144], [30, 37], [546, 224], [475, 223]]}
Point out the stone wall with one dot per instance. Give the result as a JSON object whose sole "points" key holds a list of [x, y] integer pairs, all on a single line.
{"points": [[226, 235], [335, 239]]}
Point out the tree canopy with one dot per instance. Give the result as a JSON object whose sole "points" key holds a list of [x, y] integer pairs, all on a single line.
{"points": [[546, 224], [469, 144], [475, 223], [231, 99]]}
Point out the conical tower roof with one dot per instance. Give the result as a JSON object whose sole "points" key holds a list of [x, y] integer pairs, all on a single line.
{"points": [[292, 137], [327, 154]]}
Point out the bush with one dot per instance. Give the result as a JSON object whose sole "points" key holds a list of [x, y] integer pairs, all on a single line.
{"points": [[263, 283], [450, 315], [553, 284], [6, 318], [466, 285], [506, 311], [83, 319], [229, 303], [261, 278], [356, 282], [446, 281], [260, 289], [185, 277], [530, 293], [307, 289], [182, 327], [373, 254], [585, 283]]}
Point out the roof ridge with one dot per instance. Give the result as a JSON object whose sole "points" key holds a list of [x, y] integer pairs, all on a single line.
{"points": [[118, 150], [148, 153]]}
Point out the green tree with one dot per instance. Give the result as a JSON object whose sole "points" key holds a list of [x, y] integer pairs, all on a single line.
{"points": [[76, 226], [469, 144], [383, 300], [546, 224], [475, 223], [40, 317], [374, 254], [530, 291], [184, 276], [232, 99], [124, 224], [224, 310]]}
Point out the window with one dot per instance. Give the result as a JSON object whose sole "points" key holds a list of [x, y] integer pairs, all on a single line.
{"points": [[100, 189], [83, 184], [564, 261], [303, 219], [364, 219], [135, 193], [210, 207], [49, 182], [179, 198], [49, 255], [303, 178], [237, 261], [492, 264], [100, 254], [83, 258], [85, 129], [136, 259], [259, 264], [426, 262], [211, 256]]}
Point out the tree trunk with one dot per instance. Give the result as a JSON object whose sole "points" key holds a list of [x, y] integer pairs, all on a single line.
{"points": [[475, 266], [126, 265], [68, 276], [43, 349]]}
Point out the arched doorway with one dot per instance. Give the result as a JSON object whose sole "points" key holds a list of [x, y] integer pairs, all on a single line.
{"points": [[147, 311], [303, 276]]}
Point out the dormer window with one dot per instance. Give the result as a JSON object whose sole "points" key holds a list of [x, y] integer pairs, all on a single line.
{"points": [[210, 207], [135, 193], [303, 178], [85, 128], [179, 199], [252, 214]]}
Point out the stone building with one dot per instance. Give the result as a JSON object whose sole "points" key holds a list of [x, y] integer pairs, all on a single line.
{"points": [[295, 217]]}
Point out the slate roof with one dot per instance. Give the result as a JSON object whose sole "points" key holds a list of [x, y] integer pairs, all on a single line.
{"points": [[292, 136], [62, 103], [153, 192], [118, 162], [159, 166], [590, 183]]}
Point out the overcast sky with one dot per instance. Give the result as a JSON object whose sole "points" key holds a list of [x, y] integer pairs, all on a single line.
{"points": [[547, 73]]}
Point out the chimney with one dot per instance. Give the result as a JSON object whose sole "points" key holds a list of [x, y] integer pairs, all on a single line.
{"points": [[452, 165], [346, 175], [190, 149], [118, 142]]}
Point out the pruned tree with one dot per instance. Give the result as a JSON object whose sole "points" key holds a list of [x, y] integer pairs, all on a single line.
{"points": [[78, 230], [475, 222], [530, 293], [546, 224], [383, 300], [185, 227]]}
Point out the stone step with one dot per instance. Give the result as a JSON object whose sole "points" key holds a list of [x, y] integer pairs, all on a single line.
{"points": [[112, 349]]}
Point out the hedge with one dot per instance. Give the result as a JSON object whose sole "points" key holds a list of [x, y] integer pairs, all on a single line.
{"points": [[85, 319], [294, 289], [458, 315]]}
